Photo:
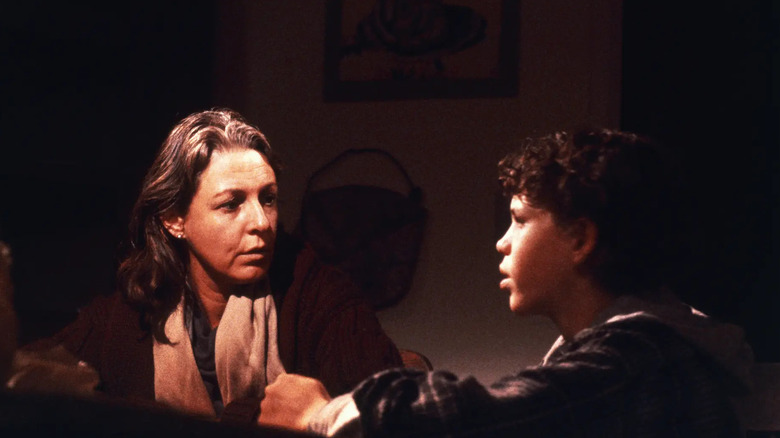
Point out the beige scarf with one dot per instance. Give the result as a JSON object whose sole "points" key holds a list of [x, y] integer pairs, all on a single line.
{"points": [[246, 356]]}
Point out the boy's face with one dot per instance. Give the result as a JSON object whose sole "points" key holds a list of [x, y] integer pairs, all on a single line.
{"points": [[538, 262]]}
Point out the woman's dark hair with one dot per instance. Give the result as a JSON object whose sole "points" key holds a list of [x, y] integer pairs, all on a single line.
{"points": [[153, 274], [626, 184]]}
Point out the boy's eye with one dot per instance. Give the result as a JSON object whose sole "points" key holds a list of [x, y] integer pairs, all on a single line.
{"points": [[269, 199]]}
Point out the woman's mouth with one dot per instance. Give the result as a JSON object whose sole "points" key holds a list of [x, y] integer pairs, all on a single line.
{"points": [[255, 255]]}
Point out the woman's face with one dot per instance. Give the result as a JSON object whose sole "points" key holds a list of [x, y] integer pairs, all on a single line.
{"points": [[230, 226]]}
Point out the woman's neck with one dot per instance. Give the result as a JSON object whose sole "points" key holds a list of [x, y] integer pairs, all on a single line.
{"points": [[213, 305], [211, 296]]}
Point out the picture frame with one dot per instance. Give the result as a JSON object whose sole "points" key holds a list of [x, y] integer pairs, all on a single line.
{"points": [[420, 49]]}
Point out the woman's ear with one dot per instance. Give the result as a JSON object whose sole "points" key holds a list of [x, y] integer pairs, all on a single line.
{"points": [[173, 223], [585, 235]]}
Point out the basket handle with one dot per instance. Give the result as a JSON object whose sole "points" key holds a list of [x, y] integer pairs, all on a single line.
{"points": [[414, 191]]}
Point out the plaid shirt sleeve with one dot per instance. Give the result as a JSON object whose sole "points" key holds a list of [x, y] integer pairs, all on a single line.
{"points": [[407, 403]]}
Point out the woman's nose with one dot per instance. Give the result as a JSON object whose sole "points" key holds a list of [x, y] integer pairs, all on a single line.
{"points": [[259, 219]]}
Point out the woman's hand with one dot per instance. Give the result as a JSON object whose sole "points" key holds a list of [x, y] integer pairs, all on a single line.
{"points": [[291, 401]]}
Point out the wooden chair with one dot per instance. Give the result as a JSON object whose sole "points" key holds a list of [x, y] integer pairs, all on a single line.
{"points": [[416, 360]]}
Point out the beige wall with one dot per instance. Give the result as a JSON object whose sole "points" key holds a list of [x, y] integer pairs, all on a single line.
{"points": [[270, 57]]}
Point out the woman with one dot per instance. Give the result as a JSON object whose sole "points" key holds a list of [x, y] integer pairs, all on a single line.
{"points": [[201, 305]]}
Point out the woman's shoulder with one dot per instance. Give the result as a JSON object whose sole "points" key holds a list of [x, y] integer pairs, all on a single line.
{"points": [[105, 308], [103, 314]]}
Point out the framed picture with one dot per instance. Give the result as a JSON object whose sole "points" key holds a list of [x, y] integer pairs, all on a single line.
{"points": [[420, 49]]}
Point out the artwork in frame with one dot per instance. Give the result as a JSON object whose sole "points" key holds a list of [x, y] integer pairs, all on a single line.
{"points": [[420, 49]]}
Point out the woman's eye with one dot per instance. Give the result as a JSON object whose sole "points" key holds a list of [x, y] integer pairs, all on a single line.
{"points": [[230, 205]]}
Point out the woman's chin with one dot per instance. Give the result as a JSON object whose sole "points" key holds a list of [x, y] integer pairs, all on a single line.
{"points": [[249, 275]]}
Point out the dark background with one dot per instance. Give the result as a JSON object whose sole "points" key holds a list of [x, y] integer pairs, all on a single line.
{"points": [[89, 92], [703, 78]]}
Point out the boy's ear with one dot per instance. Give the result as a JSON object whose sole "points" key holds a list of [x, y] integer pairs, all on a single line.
{"points": [[173, 223], [585, 234]]}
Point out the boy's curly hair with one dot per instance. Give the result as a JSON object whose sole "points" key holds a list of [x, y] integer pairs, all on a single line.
{"points": [[624, 183]]}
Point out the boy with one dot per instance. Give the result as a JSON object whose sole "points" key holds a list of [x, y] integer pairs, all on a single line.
{"points": [[591, 246]]}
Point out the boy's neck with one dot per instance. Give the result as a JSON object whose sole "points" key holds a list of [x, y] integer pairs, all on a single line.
{"points": [[580, 309]]}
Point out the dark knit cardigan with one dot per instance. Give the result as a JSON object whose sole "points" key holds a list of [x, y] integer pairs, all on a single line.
{"points": [[326, 331]]}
